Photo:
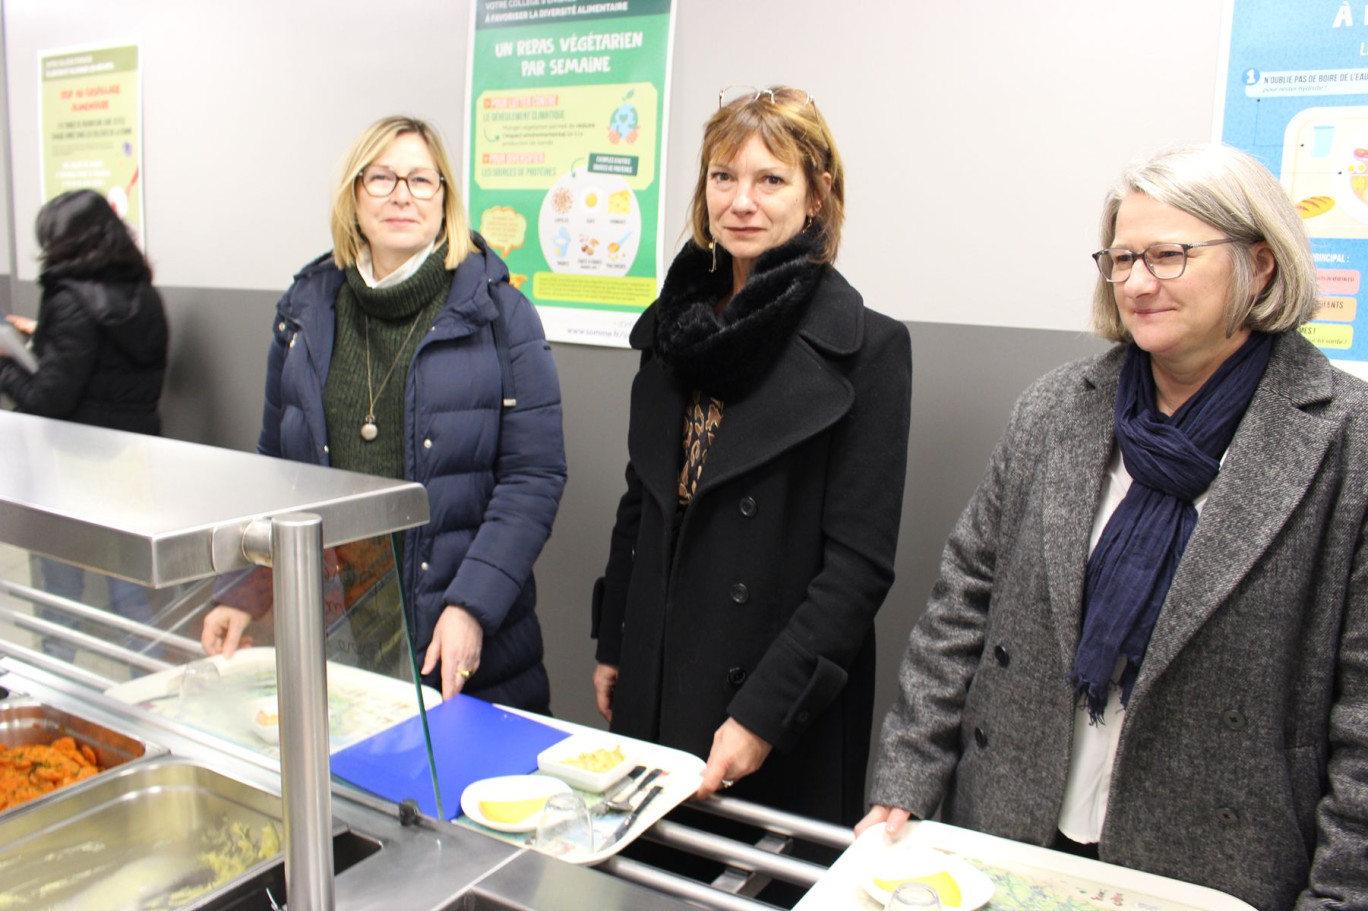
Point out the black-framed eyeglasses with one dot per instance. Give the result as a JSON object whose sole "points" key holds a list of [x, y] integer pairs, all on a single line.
{"points": [[380, 182], [1164, 261], [746, 94]]}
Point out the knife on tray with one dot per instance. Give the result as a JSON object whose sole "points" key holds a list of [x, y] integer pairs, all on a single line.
{"points": [[635, 814], [624, 787], [623, 802]]}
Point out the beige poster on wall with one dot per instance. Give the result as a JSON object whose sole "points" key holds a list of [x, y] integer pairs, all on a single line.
{"points": [[90, 110]]}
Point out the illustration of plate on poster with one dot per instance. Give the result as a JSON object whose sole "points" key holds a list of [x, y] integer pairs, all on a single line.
{"points": [[590, 224]]}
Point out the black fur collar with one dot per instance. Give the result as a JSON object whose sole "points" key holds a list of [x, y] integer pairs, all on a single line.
{"points": [[726, 354]]}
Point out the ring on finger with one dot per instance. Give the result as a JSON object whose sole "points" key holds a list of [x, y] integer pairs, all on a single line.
{"points": [[464, 673]]}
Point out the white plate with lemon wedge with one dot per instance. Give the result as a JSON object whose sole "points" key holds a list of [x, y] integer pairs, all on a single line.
{"points": [[510, 803], [959, 885]]}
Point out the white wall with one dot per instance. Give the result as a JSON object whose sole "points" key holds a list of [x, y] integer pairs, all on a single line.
{"points": [[249, 107], [978, 137]]}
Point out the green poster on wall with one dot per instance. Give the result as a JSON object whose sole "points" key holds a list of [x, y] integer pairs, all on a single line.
{"points": [[90, 113], [565, 155]]}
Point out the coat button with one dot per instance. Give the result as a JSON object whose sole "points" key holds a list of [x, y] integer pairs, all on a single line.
{"points": [[423, 566], [1000, 653], [1234, 719], [803, 717], [427, 444], [981, 738], [1227, 816], [739, 593], [736, 676], [280, 326], [748, 507]]}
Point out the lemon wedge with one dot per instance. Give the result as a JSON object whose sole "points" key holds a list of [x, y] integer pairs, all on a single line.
{"points": [[511, 812], [943, 883]]}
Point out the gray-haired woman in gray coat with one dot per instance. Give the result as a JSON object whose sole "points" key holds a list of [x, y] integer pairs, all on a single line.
{"points": [[1149, 641]]}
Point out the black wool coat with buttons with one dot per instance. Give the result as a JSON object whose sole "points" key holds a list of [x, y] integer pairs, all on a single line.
{"points": [[761, 607]]}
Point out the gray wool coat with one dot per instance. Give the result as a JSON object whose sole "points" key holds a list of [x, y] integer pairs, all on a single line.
{"points": [[1243, 759]]}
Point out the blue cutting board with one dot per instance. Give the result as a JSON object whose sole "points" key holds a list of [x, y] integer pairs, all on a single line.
{"points": [[471, 739]]}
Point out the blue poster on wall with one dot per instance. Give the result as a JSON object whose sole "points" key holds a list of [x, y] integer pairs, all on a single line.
{"points": [[1296, 97]]}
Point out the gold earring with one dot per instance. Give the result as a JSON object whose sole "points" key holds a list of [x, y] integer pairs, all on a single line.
{"points": [[712, 245]]}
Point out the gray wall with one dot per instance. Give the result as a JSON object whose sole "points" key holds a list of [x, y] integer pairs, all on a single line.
{"points": [[978, 139]]}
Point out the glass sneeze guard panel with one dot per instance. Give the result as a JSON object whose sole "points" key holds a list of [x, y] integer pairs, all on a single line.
{"points": [[146, 644], [114, 547]]}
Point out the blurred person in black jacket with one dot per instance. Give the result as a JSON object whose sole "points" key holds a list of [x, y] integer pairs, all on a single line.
{"points": [[100, 340]]}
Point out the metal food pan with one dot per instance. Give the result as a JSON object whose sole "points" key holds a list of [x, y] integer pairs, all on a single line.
{"points": [[25, 721], [137, 836]]}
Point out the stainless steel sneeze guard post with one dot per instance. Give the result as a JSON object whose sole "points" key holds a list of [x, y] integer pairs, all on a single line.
{"points": [[160, 512], [296, 553]]}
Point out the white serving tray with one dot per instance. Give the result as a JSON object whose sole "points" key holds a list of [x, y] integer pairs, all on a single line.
{"points": [[683, 774], [1055, 880]]}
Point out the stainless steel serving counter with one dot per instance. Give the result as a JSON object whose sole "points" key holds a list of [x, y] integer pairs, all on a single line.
{"points": [[424, 863], [158, 512], [166, 513], [421, 864]]}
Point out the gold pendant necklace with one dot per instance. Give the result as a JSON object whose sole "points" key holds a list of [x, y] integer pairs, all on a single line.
{"points": [[368, 429]]}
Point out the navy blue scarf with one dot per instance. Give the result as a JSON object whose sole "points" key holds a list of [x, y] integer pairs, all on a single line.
{"points": [[1171, 461]]}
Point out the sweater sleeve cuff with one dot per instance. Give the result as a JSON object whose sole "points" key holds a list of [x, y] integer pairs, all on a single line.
{"points": [[786, 693], [606, 620], [896, 783]]}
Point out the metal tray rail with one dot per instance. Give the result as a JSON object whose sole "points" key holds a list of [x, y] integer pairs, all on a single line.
{"points": [[161, 632], [752, 861], [49, 629], [58, 667]]}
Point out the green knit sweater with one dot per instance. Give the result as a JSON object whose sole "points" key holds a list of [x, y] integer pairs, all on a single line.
{"points": [[395, 319]]}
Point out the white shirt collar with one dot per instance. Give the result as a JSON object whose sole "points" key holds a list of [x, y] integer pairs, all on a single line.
{"points": [[365, 266]]}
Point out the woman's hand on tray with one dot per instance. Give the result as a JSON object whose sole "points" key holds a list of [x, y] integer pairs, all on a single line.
{"points": [[223, 631], [605, 681], [736, 753], [893, 818]]}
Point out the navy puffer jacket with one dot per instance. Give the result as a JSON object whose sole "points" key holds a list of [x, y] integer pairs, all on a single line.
{"points": [[494, 475]]}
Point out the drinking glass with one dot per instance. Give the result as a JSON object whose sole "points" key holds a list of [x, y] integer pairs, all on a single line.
{"points": [[914, 895], [565, 829], [200, 679]]}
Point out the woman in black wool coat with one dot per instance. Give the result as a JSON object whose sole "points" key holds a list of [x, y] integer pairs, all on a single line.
{"points": [[767, 446], [100, 341]]}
